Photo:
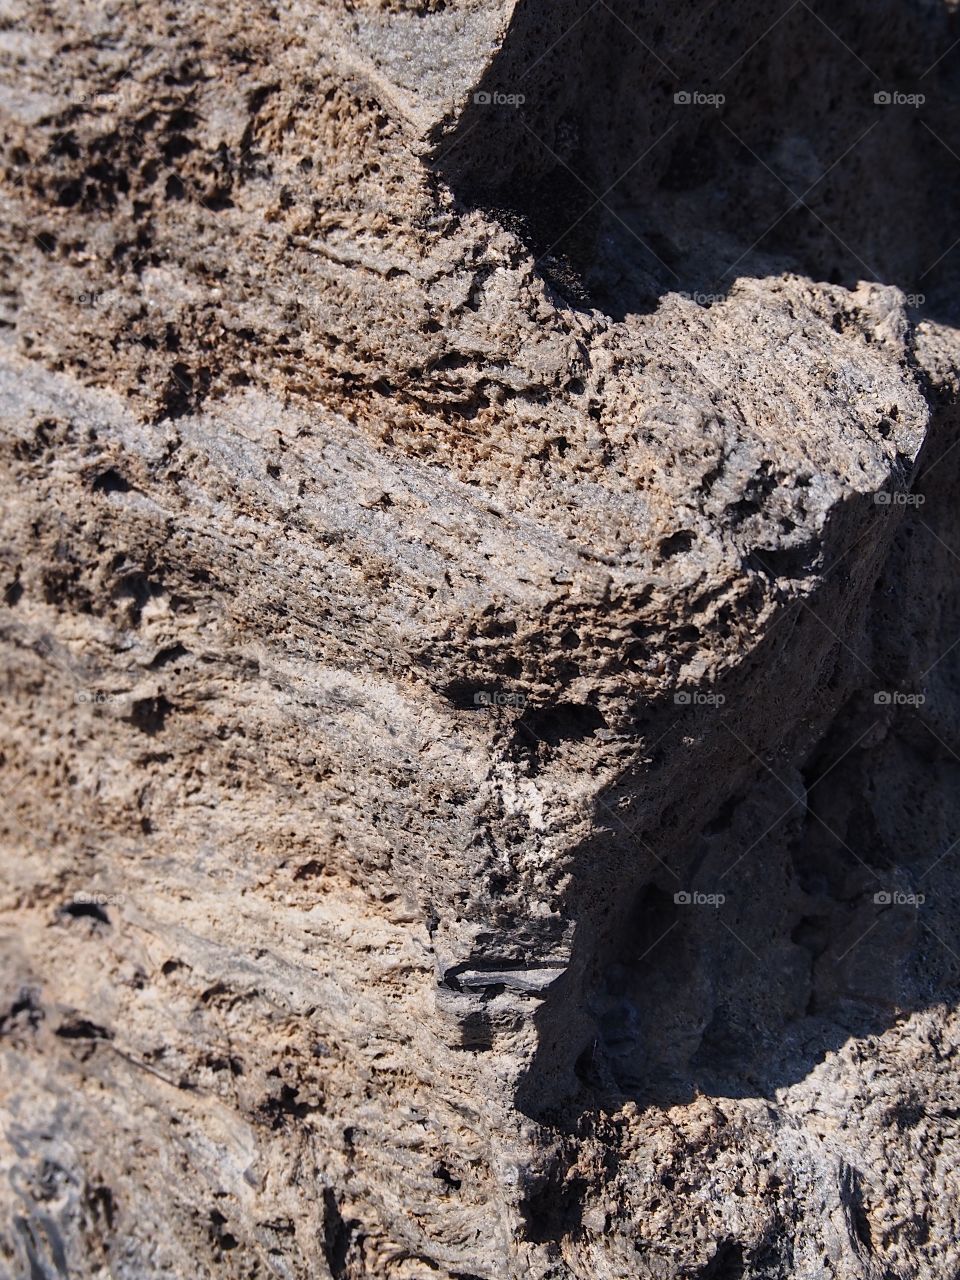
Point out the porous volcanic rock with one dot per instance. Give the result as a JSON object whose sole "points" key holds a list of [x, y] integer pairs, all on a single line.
{"points": [[479, 544]]}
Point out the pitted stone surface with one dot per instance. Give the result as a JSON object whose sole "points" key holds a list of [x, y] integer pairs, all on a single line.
{"points": [[481, 720]]}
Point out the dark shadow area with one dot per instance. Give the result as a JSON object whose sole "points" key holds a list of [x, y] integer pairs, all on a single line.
{"points": [[817, 908], [742, 913], [640, 148]]}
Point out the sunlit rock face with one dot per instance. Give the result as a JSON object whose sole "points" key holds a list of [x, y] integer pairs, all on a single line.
{"points": [[478, 541]]}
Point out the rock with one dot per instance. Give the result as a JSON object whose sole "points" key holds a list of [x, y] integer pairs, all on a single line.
{"points": [[481, 716]]}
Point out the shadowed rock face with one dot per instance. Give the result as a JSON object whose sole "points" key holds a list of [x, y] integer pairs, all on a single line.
{"points": [[658, 150], [481, 714]]}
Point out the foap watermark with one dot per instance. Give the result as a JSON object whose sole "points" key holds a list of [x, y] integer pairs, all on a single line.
{"points": [[698, 698], [96, 298], [899, 498], [702, 299], [696, 98], [495, 98], [694, 898], [99, 697], [112, 100], [893, 98], [897, 898], [895, 698], [85, 898], [499, 698]]}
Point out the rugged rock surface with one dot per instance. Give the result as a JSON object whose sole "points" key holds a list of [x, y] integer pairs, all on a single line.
{"points": [[482, 641]]}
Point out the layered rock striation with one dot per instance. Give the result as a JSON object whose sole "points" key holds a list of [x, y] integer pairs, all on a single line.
{"points": [[481, 715]]}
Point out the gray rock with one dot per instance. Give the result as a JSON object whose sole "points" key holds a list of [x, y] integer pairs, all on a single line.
{"points": [[481, 715]]}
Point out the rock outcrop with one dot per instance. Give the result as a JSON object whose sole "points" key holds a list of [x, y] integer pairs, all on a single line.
{"points": [[482, 641]]}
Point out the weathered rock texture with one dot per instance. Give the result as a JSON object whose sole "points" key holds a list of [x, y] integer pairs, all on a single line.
{"points": [[482, 700]]}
